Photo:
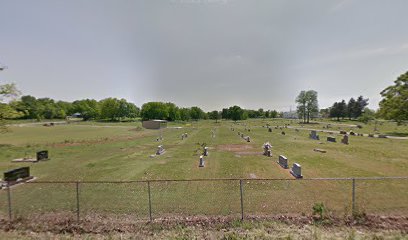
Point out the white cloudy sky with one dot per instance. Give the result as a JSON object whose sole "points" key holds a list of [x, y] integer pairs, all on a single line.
{"points": [[210, 53]]}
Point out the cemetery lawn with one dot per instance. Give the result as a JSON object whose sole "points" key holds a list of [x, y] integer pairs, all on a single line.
{"points": [[91, 151]]}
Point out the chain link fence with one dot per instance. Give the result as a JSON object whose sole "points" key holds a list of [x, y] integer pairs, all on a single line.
{"points": [[235, 198]]}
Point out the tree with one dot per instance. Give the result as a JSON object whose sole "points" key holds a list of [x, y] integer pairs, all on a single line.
{"points": [[394, 104], [88, 108], [185, 114], [225, 113], [351, 108], [7, 91], [312, 106], [236, 113], [301, 100], [361, 104], [196, 113], [215, 115], [307, 105], [174, 112], [273, 114], [154, 110], [367, 115], [342, 109], [110, 108]]}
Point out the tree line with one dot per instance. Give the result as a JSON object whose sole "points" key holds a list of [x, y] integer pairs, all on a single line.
{"points": [[353, 109], [113, 109]]}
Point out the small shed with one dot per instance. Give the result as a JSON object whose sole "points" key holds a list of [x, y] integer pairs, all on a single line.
{"points": [[154, 124]]}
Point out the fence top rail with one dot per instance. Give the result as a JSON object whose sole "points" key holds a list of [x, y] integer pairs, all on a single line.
{"points": [[226, 179]]}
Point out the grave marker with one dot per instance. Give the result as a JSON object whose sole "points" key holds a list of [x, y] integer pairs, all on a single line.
{"points": [[313, 135], [331, 139], [16, 174], [296, 170], [345, 139], [283, 161], [160, 150], [201, 163], [42, 155], [267, 149], [205, 151]]}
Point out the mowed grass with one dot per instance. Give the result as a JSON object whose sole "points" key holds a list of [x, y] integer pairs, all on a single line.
{"points": [[91, 151]]}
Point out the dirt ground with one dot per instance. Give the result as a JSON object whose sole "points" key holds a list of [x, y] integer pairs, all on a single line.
{"points": [[64, 226]]}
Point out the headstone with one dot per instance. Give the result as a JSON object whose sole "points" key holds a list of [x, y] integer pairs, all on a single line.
{"points": [[319, 150], [270, 129], [205, 151], [247, 138], [343, 132], [313, 135], [296, 170], [242, 135], [283, 133], [42, 155], [382, 136], [267, 149], [297, 130], [370, 135], [352, 133], [331, 139], [160, 150], [283, 161], [16, 174], [201, 163], [345, 139]]}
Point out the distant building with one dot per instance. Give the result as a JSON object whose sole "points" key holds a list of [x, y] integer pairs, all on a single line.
{"points": [[154, 124], [76, 115], [290, 114]]}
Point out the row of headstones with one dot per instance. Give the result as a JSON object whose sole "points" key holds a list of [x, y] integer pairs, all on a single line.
{"points": [[246, 138], [40, 155], [313, 135], [296, 170], [270, 130]]}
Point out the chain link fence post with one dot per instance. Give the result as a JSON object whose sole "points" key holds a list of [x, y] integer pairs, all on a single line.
{"points": [[241, 188], [353, 197], [9, 202], [77, 200], [150, 200]]}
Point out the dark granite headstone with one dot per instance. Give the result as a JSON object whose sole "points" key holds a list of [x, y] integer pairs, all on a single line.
{"points": [[331, 139], [42, 155], [13, 175]]}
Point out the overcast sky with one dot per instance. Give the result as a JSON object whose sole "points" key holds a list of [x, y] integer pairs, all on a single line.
{"points": [[209, 53]]}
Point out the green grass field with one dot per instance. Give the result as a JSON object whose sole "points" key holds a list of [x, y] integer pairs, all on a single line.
{"points": [[90, 151]]}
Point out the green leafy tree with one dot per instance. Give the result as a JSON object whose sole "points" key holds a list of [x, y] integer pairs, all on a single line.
{"points": [[6, 112], [154, 110], [197, 113], [174, 112], [394, 105], [111, 108], [351, 108], [236, 113], [88, 108], [215, 115], [307, 105], [185, 114]]}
